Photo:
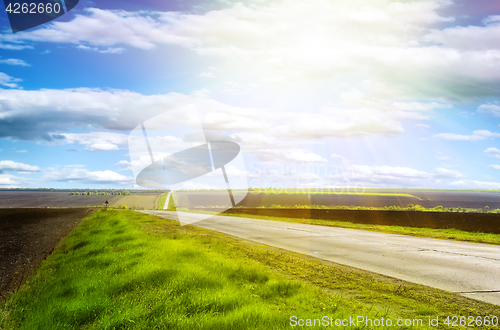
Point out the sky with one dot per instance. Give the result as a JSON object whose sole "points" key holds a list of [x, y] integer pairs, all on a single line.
{"points": [[320, 93]]}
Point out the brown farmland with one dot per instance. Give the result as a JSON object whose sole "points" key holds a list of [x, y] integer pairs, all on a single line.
{"points": [[18, 199], [428, 199], [27, 236], [473, 222], [137, 201]]}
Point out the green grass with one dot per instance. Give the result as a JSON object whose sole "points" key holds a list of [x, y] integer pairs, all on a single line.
{"points": [[121, 269], [449, 234], [161, 201]]}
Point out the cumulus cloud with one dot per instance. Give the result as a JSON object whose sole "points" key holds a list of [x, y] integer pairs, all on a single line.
{"points": [[8, 81], [492, 152], [491, 108], [495, 167], [383, 176], [475, 136], [295, 41], [14, 61], [206, 75], [473, 184], [9, 165], [109, 50], [97, 140], [82, 175], [13, 181], [485, 37], [288, 155], [444, 173], [43, 114]]}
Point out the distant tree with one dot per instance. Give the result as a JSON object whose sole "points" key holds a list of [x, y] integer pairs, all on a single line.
{"points": [[126, 193], [486, 207], [71, 193], [410, 206], [124, 206]]}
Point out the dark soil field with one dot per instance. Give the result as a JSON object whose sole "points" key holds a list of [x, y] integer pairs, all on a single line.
{"points": [[465, 199], [27, 236], [428, 199], [472, 222], [17, 199]]}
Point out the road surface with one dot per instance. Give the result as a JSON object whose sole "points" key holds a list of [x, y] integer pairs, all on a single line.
{"points": [[470, 269]]}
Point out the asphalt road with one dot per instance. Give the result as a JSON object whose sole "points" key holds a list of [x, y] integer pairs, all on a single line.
{"points": [[470, 269]]}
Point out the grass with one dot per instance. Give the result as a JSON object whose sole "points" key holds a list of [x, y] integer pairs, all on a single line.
{"points": [[126, 270], [449, 234], [137, 201], [161, 201]]}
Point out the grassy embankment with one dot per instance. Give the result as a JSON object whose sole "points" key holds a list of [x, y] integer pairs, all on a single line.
{"points": [[125, 270], [161, 201], [137, 201]]}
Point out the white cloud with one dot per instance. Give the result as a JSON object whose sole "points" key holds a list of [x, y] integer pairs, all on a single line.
{"points": [[423, 127], [459, 37], [93, 141], [476, 136], [42, 114], [123, 163], [338, 123], [109, 50], [492, 150], [335, 156], [473, 184], [294, 42], [14, 61], [288, 155], [12, 181], [444, 173], [491, 108], [284, 41], [494, 166], [80, 174], [235, 88], [377, 176], [9, 165], [14, 46], [206, 75], [6, 80]]}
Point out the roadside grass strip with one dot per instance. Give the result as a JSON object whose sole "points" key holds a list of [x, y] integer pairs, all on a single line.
{"points": [[122, 269], [161, 201]]}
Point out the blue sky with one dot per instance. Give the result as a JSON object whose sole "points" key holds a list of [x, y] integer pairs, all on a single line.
{"points": [[318, 94]]}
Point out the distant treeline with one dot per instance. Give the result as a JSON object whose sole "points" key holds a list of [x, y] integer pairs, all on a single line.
{"points": [[80, 191], [95, 192]]}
